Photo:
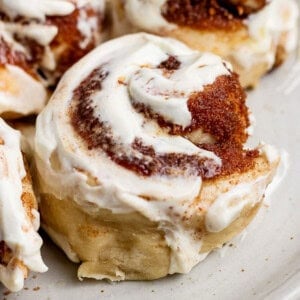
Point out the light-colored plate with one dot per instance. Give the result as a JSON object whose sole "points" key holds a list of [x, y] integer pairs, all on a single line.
{"points": [[264, 265]]}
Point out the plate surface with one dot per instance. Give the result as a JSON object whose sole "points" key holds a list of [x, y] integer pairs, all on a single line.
{"points": [[263, 264]]}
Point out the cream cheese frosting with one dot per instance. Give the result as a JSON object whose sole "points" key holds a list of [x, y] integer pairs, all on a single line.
{"points": [[17, 231], [20, 93], [227, 207], [265, 28], [37, 9], [115, 78]]}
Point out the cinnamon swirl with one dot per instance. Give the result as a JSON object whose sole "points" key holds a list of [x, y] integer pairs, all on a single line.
{"points": [[19, 219], [39, 40], [140, 159], [254, 35]]}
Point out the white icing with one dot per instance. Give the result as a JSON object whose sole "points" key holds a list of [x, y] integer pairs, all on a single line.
{"points": [[148, 86], [279, 176], [87, 27], [40, 33], [228, 207], [266, 28], [61, 155], [27, 138], [96, 4], [16, 229], [146, 15], [270, 152], [19, 92], [36, 9]]}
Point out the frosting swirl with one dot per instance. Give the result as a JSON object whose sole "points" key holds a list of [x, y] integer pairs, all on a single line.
{"points": [[124, 130]]}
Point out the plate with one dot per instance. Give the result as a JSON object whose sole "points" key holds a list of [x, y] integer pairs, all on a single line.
{"points": [[264, 263]]}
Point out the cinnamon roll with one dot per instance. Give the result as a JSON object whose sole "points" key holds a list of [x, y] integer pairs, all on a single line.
{"points": [[254, 35], [19, 221], [140, 160], [39, 40]]}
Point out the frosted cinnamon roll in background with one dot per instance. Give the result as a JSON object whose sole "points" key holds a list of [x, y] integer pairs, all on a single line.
{"points": [[39, 40], [254, 35], [140, 159], [19, 219]]}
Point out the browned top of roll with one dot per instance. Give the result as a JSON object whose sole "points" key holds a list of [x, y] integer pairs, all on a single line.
{"points": [[210, 14]]}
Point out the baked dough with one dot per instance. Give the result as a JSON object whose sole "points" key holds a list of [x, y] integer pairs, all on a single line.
{"points": [[129, 246]]}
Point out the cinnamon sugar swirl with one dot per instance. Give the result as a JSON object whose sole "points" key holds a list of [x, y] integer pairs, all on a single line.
{"points": [[39, 40], [255, 36], [140, 159], [19, 219]]}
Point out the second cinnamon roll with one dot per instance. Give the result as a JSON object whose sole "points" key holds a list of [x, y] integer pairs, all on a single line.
{"points": [[255, 36]]}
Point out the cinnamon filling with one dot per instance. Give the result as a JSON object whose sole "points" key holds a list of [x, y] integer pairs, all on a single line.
{"points": [[234, 158], [219, 110], [170, 64], [97, 134], [210, 14], [244, 7]]}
